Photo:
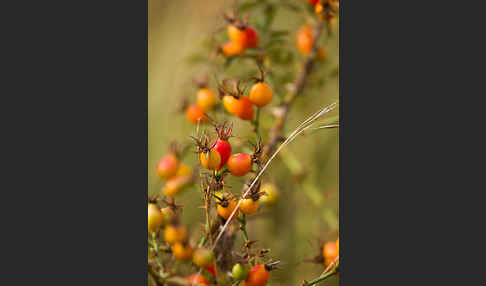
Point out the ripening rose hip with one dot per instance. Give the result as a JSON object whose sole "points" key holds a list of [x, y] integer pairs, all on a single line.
{"points": [[330, 252], [206, 99], [225, 209], [183, 170], [176, 184], [261, 94], [271, 195], [169, 215], [211, 269], [241, 107], [239, 164], [257, 276], [167, 166], [239, 272], [155, 217], [313, 2], [197, 279], [175, 233], [235, 34], [251, 38], [195, 114], [249, 206], [223, 147], [244, 108], [210, 160], [247, 37], [203, 257], [232, 49], [181, 251], [305, 40], [337, 246], [230, 103]]}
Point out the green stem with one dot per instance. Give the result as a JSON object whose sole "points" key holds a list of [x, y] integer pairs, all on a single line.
{"points": [[256, 122], [243, 227], [203, 240], [323, 276]]}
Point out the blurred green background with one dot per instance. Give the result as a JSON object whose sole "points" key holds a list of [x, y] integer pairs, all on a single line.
{"points": [[308, 209]]}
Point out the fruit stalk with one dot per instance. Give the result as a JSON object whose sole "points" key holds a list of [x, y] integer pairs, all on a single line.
{"points": [[243, 227], [256, 123], [207, 199]]}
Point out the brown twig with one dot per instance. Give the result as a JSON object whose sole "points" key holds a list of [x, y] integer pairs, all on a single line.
{"points": [[281, 117]]}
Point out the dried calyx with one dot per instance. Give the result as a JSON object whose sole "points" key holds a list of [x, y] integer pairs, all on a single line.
{"points": [[255, 192], [225, 90], [271, 265], [257, 153], [224, 200], [203, 144], [233, 19], [153, 200], [223, 130], [212, 183]]}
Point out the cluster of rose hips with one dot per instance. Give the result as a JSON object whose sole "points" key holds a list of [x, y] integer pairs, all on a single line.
{"points": [[176, 174], [176, 236], [241, 36], [267, 194], [234, 100], [214, 155]]}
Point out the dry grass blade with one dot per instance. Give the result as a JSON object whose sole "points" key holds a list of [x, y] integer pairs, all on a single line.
{"points": [[326, 126]]}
